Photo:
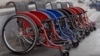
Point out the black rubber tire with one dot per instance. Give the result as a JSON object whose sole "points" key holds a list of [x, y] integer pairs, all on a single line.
{"points": [[83, 35], [34, 27], [64, 53], [91, 29], [75, 44], [78, 39], [87, 33], [94, 28]]}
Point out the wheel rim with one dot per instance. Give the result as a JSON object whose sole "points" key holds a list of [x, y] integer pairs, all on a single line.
{"points": [[16, 38]]}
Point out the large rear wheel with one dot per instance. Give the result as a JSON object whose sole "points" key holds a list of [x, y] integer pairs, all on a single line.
{"points": [[20, 34]]}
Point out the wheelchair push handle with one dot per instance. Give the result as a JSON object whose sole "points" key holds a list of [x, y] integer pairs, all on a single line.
{"points": [[40, 4], [19, 6]]}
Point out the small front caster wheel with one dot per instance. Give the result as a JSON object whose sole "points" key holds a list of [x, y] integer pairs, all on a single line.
{"points": [[64, 53], [87, 33], [75, 44], [95, 28]]}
